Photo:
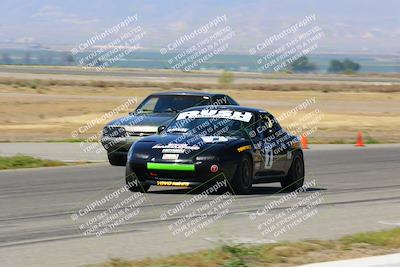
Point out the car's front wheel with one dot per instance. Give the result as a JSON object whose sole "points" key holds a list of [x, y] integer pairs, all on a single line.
{"points": [[295, 177], [242, 181], [133, 183], [116, 159]]}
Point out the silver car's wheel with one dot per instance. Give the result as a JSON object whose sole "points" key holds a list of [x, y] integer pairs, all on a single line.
{"points": [[116, 159]]}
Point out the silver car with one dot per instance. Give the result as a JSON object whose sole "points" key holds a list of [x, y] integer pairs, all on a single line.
{"points": [[157, 109]]}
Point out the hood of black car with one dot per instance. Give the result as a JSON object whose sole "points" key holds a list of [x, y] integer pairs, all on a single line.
{"points": [[145, 120], [161, 147]]}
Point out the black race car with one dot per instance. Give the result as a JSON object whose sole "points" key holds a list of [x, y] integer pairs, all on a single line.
{"points": [[239, 145]]}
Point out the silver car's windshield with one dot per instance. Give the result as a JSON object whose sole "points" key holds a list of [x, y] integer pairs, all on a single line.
{"points": [[171, 103]]}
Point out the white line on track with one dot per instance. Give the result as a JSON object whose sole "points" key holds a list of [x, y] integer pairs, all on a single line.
{"points": [[240, 240], [389, 223]]}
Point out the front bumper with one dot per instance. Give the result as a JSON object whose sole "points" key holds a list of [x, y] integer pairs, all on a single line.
{"points": [[119, 145], [183, 173]]}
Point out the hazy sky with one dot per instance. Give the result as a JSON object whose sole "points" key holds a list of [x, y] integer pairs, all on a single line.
{"points": [[348, 25]]}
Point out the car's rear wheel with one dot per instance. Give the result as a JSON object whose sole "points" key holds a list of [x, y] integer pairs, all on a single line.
{"points": [[116, 159], [242, 181], [133, 183], [295, 177]]}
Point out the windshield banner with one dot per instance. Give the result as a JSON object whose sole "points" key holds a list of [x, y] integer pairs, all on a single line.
{"points": [[214, 113]]}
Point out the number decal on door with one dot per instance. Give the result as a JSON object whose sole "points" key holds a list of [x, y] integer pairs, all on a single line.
{"points": [[268, 156]]}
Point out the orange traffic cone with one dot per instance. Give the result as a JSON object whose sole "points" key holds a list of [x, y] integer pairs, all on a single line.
{"points": [[304, 142], [360, 141]]}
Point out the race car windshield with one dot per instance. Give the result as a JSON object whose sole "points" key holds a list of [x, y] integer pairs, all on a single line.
{"points": [[171, 103], [210, 127]]}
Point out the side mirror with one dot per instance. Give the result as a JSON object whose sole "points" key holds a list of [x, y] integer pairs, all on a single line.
{"points": [[137, 111], [161, 129]]}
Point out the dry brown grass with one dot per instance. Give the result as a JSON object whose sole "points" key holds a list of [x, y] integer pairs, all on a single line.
{"points": [[34, 110], [314, 86]]}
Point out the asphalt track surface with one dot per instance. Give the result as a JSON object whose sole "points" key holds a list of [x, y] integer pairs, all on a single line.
{"points": [[359, 190]]}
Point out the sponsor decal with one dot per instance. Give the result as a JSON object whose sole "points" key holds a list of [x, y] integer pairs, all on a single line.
{"points": [[171, 183], [170, 156], [170, 166], [177, 146], [173, 150], [214, 168], [243, 148], [216, 113], [214, 139]]}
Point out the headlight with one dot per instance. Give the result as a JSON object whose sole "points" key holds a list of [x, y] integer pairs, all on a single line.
{"points": [[140, 156], [114, 131]]}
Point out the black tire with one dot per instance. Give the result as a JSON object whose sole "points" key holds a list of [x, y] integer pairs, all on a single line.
{"points": [[295, 177], [116, 159], [133, 183], [242, 181]]}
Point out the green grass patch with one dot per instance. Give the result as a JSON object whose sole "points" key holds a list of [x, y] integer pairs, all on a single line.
{"points": [[278, 254], [68, 140], [21, 161], [340, 141], [371, 140], [382, 238]]}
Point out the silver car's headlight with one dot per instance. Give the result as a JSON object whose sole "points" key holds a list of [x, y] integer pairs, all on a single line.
{"points": [[114, 131]]}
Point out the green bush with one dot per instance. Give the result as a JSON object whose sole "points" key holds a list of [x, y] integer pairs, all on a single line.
{"points": [[347, 66], [226, 79], [21, 161], [302, 64]]}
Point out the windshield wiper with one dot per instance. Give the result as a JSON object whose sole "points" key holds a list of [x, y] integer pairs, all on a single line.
{"points": [[171, 110], [177, 130], [140, 111]]}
